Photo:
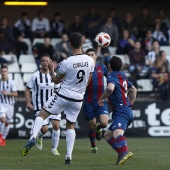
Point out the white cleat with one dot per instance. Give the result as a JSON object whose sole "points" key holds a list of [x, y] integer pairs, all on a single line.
{"points": [[39, 143], [55, 152]]}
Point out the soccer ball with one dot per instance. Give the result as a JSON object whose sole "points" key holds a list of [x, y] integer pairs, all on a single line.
{"points": [[102, 39]]}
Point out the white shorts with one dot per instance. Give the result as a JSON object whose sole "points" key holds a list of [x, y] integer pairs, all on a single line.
{"points": [[51, 117], [56, 105], [7, 110]]}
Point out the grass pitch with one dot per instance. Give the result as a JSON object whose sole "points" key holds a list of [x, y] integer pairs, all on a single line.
{"points": [[149, 154]]}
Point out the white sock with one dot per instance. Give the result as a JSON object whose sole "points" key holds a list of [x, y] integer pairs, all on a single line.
{"points": [[70, 138], [40, 135], [1, 127], [36, 127], [5, 132], [55, 139]]}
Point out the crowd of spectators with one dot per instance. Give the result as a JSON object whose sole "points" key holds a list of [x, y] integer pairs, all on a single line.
{"points": [[137, 37]]}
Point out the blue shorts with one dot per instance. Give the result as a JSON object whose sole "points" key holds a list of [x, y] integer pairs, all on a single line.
{"points": [[92, 110], [121, 118]]}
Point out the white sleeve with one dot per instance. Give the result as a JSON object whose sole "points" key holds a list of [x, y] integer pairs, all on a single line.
{"points": [[33, 28], [13, 86], [47, 25], [92, 67], [62, 67], [56, 86], [31, 82]]}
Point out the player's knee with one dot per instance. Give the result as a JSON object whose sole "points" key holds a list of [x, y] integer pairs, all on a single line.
{"points": [[3, 119], [44, 129], [7, 123]]}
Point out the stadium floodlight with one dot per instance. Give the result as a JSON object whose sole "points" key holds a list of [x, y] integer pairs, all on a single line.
{"points": [[17, 3]]}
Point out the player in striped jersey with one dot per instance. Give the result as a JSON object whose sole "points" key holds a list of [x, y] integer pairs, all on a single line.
{"points": [[91, 109], [43, 87], [8, 91], [121, 94], [75, 73]]}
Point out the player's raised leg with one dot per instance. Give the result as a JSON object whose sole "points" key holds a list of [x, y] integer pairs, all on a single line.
{"points": [[36, 128]]}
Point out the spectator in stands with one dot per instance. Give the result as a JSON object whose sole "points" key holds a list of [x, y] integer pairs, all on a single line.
{"points": [[115, 19], [160, 75], [91, 22], [125, 43], [128, 24], [76, 25], [147, 41], [87, 43], [143, 22], [160, 32], [45, 48], [112, 29], [5, 27], [163, 18], [23, 26], [40, 25], [137, 66], [5, 61], [62, 49], [20, 47], [153, 54], [6, 43], [57, 26]]}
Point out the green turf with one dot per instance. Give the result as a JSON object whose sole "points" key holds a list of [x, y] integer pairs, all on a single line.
{"points": [[149, 154]]}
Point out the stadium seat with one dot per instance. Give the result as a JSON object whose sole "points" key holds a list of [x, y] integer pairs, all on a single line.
{"points": [[125, 59], [166, 49], [28, 42], [14, 68], [145, 84], [54, 41], [19, 81], [27, 69], [37, 40], [26, 58], [112, 50], [10, 57]]}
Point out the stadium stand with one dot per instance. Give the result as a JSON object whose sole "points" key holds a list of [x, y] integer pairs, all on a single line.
{"points": [[26, 58], [28, 42], [54, 41], [27, 69]]}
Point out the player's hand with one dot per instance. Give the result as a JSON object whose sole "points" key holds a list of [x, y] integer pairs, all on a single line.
{"points": [[5, 92], [101, 102], [30, 106], [50, 65]]}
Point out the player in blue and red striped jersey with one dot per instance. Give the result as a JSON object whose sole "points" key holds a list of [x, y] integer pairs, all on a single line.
{"points": [[121, 94], [91, 108]]}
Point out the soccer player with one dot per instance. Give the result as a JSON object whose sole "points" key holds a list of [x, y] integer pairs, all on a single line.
{"points": [[42, 88], [75, 73], [91, 108], [8, 91], [121, 94]]}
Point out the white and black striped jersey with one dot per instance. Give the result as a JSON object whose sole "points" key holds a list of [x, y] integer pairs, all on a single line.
{"points": [[42, 88], [77, 70], [8, 86]]}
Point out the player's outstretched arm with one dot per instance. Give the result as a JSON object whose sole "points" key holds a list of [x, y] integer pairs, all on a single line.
{"points": [[106, 93], [28, 99], [132, 94]]}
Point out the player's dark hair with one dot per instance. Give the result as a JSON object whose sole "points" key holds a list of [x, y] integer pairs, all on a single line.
{"points": [[44, 55], [76, 40], [90, 49], [4, 66], [115, 63]]}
